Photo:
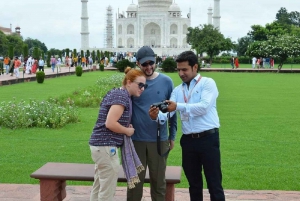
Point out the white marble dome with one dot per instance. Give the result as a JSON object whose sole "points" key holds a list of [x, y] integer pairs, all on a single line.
{"points": [[174, 8], [132, 8], [155, 3]]}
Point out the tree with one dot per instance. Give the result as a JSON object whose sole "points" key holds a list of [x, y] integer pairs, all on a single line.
{"points": [[295, 18], [25, 50], [36, 53], [206, 38], [98, 55], [74, 53], [283, 17], [35, 43], [258, 33], [281, 47], [48, 59], [11, 52], [67, 52], [17, 42], [3, 44], [93, 56], [242, 45], [87, 53]]}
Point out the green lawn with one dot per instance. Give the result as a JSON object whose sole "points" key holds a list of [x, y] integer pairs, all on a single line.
{"points": [[259, 131]]}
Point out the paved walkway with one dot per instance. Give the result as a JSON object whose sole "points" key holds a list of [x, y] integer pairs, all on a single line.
{"points": [[28, 192], [48, 71]]}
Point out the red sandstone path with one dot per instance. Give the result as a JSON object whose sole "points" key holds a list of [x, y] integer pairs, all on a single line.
{"points": [[28, 192]]}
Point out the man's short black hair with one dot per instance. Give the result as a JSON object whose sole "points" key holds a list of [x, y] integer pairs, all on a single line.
{"points": [[189, 56]]}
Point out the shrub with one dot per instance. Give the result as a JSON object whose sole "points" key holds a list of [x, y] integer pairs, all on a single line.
{"points": [[78, 71], [44, 114], [91, 96], [40, 77], [121, 65], [101, 67], [169, 65]]}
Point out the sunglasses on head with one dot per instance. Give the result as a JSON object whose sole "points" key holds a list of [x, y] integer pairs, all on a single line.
{"points": [[141, 85], [147, 63]]}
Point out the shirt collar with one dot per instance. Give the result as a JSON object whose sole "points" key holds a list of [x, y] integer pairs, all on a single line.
{"points": [[195, 79]]}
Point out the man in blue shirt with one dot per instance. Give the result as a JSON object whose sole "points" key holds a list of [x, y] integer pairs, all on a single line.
{"points": [[195, 99], [145, 139]]}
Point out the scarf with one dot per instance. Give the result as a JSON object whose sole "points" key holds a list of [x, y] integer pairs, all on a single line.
{"points": [[130, 161]]}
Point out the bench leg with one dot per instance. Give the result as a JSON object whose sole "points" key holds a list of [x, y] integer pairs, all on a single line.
{"points": [[52, 190], [170, 193]]}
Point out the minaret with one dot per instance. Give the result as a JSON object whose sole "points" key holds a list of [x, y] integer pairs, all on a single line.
{"points": [[109, 28], [216, 16], [209, 15], [84, 26]]}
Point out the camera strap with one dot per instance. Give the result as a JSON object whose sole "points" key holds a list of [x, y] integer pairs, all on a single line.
{"points": [[158, 138]]}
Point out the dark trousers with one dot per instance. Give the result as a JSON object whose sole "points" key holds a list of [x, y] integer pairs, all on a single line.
{"points": [[198, 153], [41, 68], [147, 152]]}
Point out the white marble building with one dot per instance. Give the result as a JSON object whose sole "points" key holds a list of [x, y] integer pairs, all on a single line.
{"points": [[155, 23]]}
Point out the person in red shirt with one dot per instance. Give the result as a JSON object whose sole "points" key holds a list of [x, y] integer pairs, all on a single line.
{"points": [[236, 63]]}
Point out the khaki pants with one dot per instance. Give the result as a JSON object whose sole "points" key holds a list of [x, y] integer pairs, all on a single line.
{"points": [[147, 152], [106, 173]]}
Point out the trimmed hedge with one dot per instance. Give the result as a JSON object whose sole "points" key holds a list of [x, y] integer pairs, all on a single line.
{"points": [[122, 64]]}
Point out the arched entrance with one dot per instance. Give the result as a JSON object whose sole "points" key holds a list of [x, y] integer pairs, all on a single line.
{"points": [[152, 35]]}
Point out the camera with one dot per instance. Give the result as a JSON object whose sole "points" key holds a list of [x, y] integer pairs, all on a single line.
{"points": [[162, 106]]}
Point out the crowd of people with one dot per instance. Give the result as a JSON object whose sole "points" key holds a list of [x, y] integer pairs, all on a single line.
{"points": [[262, 62]]}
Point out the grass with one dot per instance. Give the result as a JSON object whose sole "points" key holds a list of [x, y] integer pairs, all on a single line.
{"points": [[259, 131]]}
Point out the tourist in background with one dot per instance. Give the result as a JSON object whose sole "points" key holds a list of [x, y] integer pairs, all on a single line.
{"points": [[83, 61], [6, 64], [253, 62], [34, 66], [41, 64], [272, 62], [53, 63], [58, 64], [232, 62], [17, 64], [236, 63], [112, 124]]}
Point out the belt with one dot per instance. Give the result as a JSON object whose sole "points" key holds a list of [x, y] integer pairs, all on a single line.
{"points": [[202, 134]]}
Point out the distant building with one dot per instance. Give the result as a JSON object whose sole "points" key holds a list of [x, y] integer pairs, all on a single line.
{"points": [[8, 31]]}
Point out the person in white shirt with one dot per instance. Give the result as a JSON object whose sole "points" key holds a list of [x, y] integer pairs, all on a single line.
{"points": [[196, 101], [254, 62], [28, 65], [58, 64]]}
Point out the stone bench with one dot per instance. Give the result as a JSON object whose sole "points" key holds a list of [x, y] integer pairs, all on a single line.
{"points": [[53, 177]]}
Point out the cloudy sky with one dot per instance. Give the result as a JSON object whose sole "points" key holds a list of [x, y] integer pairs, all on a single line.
{"points": [[57, 23]]}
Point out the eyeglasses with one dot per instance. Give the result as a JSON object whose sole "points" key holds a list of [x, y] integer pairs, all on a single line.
{"points": [[141, 85], [147, 63]]}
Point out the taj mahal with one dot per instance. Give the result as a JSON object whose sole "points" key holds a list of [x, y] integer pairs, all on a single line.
{"points": [[155, 23]]}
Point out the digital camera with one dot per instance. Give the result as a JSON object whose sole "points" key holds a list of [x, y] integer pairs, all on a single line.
{"points": [[162, 106]]}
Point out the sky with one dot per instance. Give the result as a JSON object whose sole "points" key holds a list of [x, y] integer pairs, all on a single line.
{"points": [[57, 23]]}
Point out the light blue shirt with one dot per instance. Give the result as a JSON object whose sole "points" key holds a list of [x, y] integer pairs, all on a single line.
{"points": [[199, 113], [41, 62]]}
